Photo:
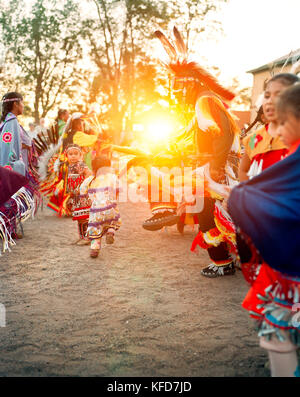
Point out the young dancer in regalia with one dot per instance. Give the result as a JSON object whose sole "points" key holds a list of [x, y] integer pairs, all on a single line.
{"points": [[266, 210], [15, 154], [78, 204], [54, 178], [102, 190], [264, 147]]}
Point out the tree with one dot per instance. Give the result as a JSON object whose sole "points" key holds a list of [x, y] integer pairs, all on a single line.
{"points": [[196, 17], [128, 76], [44, 44], [118, 39]]}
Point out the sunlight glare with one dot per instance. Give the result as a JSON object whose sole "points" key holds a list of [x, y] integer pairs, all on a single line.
{"points": [[159, 130]]}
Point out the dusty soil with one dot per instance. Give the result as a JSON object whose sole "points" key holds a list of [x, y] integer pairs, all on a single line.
{"points": [[140, 309]]}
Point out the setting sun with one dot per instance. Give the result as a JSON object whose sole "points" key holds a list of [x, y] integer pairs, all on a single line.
{"points": [[159, 130]]}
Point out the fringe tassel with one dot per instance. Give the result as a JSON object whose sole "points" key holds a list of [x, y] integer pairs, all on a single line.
{"points": [[23, 205], [5, 235]]}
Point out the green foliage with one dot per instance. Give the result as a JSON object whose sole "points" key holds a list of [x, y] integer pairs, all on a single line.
{"points": [[43, 43], [117, 40], [196, 19], [50, 42]]}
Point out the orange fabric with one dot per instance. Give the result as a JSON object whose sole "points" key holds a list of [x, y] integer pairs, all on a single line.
{"points": [[213, 109], [255, 145], [294, 147]]}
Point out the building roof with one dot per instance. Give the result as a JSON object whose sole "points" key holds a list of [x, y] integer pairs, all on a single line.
{"points": [[289, 58]]}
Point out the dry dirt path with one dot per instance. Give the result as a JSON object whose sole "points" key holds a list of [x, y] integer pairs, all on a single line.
{"points": [[140, 309]]}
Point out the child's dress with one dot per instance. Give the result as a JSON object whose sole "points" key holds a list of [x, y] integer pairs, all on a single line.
{"points": [[104, 214], [79, 204]]}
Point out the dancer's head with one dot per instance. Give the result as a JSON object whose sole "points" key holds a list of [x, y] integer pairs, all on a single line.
{"points": [[274, 88], [101, 162], [288, 110], [77, 125], [190, 79], [63, 114], [12, 102], [73, 153]]}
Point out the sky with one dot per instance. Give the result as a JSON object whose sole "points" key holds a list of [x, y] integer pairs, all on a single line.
{"points": [[255, 33]]}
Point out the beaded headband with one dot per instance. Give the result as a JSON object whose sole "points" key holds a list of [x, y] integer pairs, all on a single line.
{"points": [[11, 100], [74, 146]]}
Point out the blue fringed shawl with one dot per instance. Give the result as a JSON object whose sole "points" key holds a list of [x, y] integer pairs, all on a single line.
{"points": [[267, 209]]}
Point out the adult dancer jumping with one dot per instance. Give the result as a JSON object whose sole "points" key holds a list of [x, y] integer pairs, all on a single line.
{"points": [[215, 133]]}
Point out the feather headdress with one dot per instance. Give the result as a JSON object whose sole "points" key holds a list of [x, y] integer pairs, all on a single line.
{"points": [[182, 68]]}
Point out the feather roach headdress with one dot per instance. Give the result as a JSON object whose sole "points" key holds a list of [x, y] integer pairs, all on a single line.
{"points": [[186, 70]]}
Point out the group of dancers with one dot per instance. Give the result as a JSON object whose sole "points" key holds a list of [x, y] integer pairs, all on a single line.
{"points": [[250, 215]]}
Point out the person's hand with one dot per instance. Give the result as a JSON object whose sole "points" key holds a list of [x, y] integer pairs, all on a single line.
{"points": [[225, 204], [227, 191]]}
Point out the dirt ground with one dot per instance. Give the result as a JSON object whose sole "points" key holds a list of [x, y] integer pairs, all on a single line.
{"points": [[140, 309]]}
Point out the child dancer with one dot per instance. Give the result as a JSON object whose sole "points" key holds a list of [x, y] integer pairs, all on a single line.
{"points": [[77, 203], [104, 216], [267, 211], [264, 147]]}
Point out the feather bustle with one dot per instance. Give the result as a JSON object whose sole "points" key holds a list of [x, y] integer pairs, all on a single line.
{"points": [[181, 47], [169, 48], [192, 69]]}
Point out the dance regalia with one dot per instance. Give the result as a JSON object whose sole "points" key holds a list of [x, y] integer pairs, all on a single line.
{"points": [[217, 136], [266, 210], [54, 185], [79, 204], [56, 190], [60, 126], [23, 203], [11, 145], [104, 214], [263, 150]]}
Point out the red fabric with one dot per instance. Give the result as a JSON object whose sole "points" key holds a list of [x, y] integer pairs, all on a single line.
{"points": [[85, 216], [199, 240], [10, 183], [266, 277], [294, 147], [258, 138], [271, 157], [55, 202]]}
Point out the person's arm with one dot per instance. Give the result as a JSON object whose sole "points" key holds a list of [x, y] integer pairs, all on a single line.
{"points": [[214, 121], [204, 115], [87, 172], [85, 185], [244, 168], [10, 147]]}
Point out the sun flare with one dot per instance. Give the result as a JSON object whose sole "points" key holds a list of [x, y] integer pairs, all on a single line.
{"points": [[159, 130]]}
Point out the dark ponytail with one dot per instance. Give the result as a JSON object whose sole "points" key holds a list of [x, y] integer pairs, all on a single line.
{"points": [[8, 106], [258, 119]]}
